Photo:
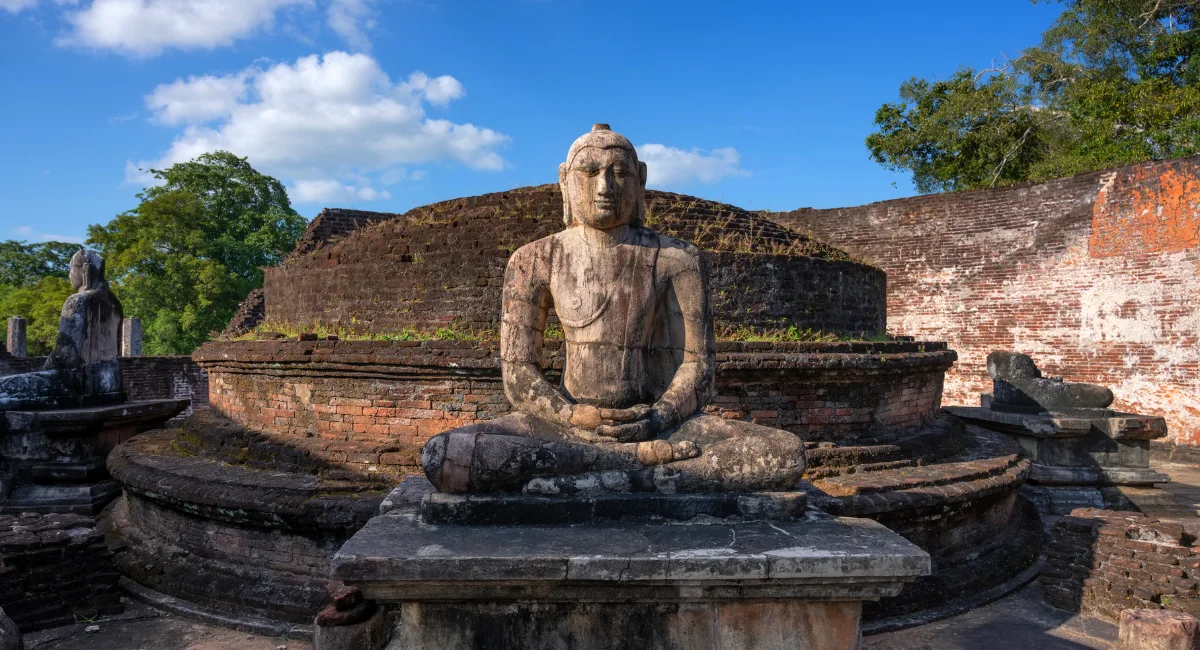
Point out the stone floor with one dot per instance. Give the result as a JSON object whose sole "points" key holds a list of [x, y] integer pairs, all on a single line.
{"points": [[1020, 621], [144, 628]]}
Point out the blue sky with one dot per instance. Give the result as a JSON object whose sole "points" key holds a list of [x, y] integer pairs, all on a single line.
{"points": [[385, 105]]}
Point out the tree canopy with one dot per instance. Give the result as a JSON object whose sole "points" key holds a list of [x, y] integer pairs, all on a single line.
{"points": [[194, 246], [23, 264], [33, 284], [1113, 82]]}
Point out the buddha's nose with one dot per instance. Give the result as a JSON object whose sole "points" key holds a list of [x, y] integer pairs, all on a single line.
{"points": [[604, 184]]}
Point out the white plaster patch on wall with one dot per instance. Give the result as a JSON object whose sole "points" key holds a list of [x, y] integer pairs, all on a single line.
{"points": [[1116, 310]]}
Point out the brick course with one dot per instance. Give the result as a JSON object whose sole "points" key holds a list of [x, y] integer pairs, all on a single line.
{"points": [[55, 570], [443, 264], [1101, 562], [386, 398], [1095, 276]]}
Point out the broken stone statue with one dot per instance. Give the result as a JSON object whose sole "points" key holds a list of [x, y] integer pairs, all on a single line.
{"points": [[1084, 453], [84, 368], [635, 308]]}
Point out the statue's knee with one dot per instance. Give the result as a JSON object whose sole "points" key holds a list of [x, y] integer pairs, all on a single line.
{"points": [[433, 455]]}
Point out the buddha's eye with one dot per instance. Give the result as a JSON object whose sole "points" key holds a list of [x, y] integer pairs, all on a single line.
{"points": [[622, 172], [590, 170]]}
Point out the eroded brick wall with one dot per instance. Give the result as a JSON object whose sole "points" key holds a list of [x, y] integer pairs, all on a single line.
{"points": [[175, 377], [1101, 562], [444, 264], [1096, 276], [387, 398], [55, 570]]}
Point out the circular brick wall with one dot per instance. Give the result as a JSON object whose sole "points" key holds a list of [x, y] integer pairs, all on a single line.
{"points": [[443, 264], [354, 396]]}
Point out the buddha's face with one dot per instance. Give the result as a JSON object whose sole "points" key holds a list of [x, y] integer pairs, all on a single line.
{"points": [[78, 274], [604, 187]]}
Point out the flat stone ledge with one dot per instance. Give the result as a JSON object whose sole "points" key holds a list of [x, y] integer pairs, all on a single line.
{"points": [[398, 558], [1118, 426], [97, 417]]}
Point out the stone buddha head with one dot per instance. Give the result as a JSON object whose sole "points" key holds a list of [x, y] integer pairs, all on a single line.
{"points": [[602, 182], [87, 270]]}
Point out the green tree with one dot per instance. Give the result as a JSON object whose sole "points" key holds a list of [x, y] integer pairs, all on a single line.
{"points": [[33, 284], [23, 264], [1113, 82], [195, 245], [40, 302]]}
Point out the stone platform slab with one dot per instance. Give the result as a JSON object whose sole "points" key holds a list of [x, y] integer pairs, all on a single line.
{"points": [[56, 457], [756, 584]]}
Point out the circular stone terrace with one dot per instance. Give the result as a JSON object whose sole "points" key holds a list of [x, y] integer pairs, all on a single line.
{"points": [[240, 511]]}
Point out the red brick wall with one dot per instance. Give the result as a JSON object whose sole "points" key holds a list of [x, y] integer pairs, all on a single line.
{"points": [[372, 393], [444, 263], [1095, 276], [1101, 562]]}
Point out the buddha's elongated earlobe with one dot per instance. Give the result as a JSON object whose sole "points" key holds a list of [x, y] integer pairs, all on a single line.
{"points": [[562, 186]]}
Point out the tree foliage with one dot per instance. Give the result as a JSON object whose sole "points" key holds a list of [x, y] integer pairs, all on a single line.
{"points": [[195, 245], [33, 284], [40, 302], [1113, 82], [23, 264]]}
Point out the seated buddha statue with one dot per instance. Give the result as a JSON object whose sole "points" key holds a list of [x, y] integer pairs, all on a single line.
{"points": [[84, 367], [636, 313]]}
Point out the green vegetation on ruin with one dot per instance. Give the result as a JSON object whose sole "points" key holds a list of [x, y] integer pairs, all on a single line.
{"points": [[792, 334]]}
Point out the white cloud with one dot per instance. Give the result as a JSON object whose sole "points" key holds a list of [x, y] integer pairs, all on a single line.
{"points": [[350, 19], [14, 6], [310, 191], [671, 166], [320, 121], [148, 27], [198, 99], [439, 91], [29, 234]]}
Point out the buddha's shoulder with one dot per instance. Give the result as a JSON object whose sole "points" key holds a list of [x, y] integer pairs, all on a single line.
{"points": [[681, 253], [536, 251]]}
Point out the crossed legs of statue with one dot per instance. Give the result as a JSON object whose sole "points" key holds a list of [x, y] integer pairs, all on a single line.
{"points": [[705, 453]]}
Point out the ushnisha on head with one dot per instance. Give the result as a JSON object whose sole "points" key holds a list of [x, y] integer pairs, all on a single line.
{"points": [[603, 183], [87, 270]]}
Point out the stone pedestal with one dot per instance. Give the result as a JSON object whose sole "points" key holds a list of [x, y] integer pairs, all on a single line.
{"points": [[704, 583], [131, 337], [55, 460], [14, 340], [1085, 458]]}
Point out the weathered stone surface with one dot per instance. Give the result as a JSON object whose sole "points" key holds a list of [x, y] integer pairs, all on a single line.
{"points": [[10, 636], [627, 585], [368, 634], [502, 508], [758, 625], [640, 359], [56, 569], [1018, 385], [395, 557], [58, 456], [1149, 629], [84, 367], [14, 340]]}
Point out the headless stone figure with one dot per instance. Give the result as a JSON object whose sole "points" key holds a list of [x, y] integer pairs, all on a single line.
{"points": [[635, 309], [1018, 385], [84, 367]]}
